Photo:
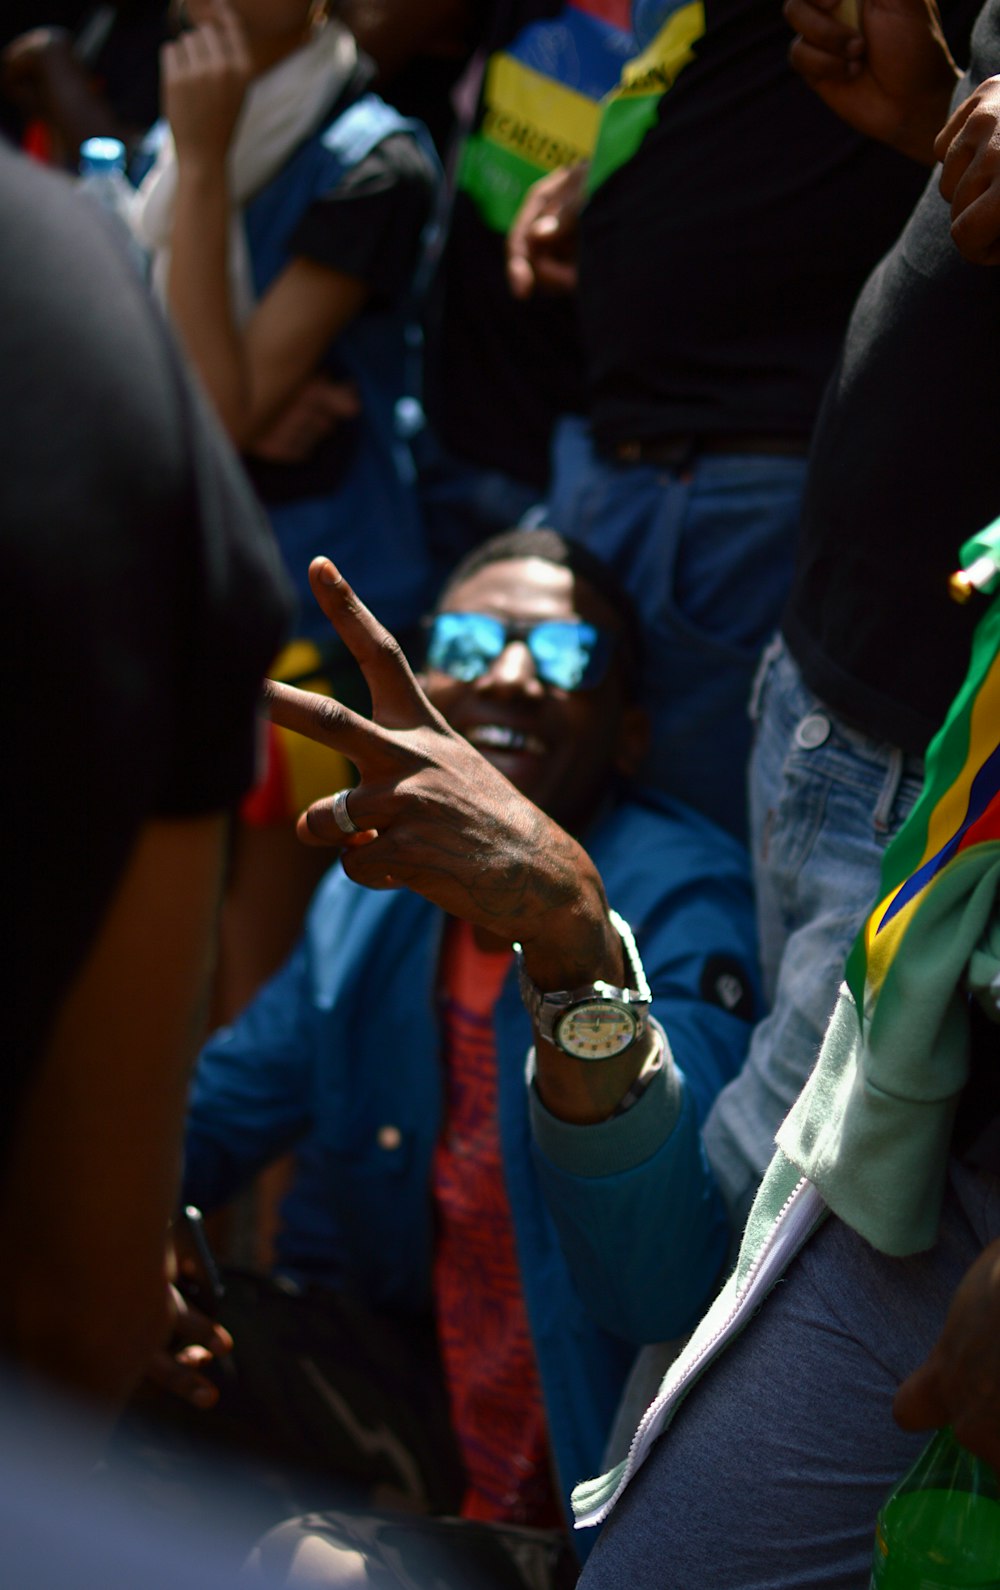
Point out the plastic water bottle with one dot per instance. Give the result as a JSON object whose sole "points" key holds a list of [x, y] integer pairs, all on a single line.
{"points": [[940, 1528], [103, 180]]}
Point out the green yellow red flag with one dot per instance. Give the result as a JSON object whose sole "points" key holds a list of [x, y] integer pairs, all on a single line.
{"points": [[959, 806]]}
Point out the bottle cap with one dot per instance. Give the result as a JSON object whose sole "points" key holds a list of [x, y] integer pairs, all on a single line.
{"points": [[102, 154]]}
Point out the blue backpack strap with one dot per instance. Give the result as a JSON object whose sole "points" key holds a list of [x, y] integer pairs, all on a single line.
{"points": [[360, 128]]}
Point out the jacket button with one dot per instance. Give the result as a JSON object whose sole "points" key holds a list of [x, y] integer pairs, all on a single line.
{"points": [[389, 1138]]}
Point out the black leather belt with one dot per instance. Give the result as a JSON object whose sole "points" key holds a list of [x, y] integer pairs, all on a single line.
{"points": [[679, 452]]}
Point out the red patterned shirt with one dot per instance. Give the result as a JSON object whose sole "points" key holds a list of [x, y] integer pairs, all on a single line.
{"points": [[489, 1359]]}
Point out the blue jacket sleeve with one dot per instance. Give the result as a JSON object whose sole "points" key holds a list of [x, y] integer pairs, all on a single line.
{"points": [[640, 1218], [252, 1093]]}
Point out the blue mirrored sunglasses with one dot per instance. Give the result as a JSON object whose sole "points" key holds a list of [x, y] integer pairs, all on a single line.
{"points": [[566, 653]]}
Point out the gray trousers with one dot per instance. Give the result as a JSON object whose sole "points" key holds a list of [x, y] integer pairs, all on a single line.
{"points": [[775, 1466]]}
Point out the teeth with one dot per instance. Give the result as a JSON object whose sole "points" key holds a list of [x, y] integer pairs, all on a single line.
{"points": [[498, 737]]}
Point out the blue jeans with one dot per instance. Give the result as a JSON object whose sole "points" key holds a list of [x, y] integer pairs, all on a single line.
{"points": [[706, 554], [775, 1466], [824, 802]]}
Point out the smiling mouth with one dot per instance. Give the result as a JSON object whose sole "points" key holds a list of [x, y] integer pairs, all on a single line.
{"points": [[498, 737]]}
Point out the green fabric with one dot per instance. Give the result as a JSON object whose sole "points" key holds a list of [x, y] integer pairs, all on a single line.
{"points": [[631, 109], [496, 180], [624, 125], [871, 1128], [982, 974], [952, 757], [985, 543]]}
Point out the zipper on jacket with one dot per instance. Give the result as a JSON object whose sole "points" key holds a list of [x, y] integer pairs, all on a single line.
{"points": [[793, 1224]]}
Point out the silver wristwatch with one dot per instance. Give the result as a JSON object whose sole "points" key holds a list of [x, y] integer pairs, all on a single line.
{"points": [[597, 1021]]}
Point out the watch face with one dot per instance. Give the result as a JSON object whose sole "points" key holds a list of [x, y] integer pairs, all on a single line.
{"points": [[597, 1029]]}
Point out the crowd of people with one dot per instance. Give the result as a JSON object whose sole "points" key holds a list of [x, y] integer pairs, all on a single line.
{"points": [[536, 798]]}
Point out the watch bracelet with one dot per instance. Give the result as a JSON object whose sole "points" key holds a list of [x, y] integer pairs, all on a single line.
{"points": [[653, 1064]]}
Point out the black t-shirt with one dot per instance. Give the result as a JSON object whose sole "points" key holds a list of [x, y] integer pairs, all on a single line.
{"points": [[370, 225], [369, 222], [719, 266], [142, 596], [498, 371], [905, 467]]}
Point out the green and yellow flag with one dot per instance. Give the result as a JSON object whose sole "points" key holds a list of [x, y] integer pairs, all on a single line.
{"points": [[959, 806], [630, 110]]}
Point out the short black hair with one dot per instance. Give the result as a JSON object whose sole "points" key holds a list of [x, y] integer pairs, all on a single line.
{"points": [[553, 547]]}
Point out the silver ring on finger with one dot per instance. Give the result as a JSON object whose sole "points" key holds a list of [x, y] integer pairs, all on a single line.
{"points": [[341, 816]]}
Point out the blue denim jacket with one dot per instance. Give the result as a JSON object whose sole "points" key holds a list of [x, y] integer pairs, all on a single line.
{"points": [[620, 1229]]}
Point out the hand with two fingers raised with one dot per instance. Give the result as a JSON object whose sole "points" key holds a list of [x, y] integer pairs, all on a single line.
{"points": [[434, 815]]}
